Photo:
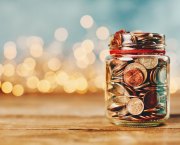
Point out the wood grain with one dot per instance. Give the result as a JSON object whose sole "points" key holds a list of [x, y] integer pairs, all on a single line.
{"points": [[61, 119]]}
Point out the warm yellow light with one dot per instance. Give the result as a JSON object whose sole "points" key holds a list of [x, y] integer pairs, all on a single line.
{"points": [[70, 86], [9, 70], [82, 63], [88, 45], [99, 82], [44, 86], [91, 58], [6, 87], [102, 33], [23, 70], [10, 51], [54, 64], [18, 90], [86, 21], [29, 63], [103, 55], [173, 85], [81, 84], [36, 50], [1, 69], [79, 53], [62, 77], [32, 82], [61, 34]]}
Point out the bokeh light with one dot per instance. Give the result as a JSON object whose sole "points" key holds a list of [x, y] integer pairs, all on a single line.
{"points": [[86, 21], [10, 51], [102, 33], [18, 90], [61, 34], [6, 87]]}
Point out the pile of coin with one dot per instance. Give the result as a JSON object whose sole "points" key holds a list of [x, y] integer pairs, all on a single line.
{"points": [[137, 88], [136, 40]]}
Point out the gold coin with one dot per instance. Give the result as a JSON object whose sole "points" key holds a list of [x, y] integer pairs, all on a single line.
{"points": [[135, 106], [149, 62], [139, 67]]}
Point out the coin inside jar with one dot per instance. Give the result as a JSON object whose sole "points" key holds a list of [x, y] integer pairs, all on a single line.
{"points": [[134, 77], [135, 106], [150, 99], [139, 69], [149, 62], [162, 74]]}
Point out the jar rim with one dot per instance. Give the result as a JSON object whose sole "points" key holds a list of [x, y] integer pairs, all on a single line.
{"points": [[123, 40]]}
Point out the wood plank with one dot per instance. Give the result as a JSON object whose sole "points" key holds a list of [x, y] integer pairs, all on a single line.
{"points": [[75, 120]]}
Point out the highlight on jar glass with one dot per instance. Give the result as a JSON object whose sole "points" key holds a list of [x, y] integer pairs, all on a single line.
{"points": [[137, 79]]}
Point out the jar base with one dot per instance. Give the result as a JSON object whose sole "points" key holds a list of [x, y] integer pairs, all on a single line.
{"points": [[154, 123]]}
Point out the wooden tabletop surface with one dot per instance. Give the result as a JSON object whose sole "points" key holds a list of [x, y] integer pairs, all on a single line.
{"points": [[64, 119]]}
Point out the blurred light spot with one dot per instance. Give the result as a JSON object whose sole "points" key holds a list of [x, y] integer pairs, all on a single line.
{"points": [[36, 50], [81, 84], [10, 51], [88, 45], [62, 77], [70, 86], [44, 86], [18, 90], [103, 54], [23, 70], [54, 64], [102, 33], [61, 34], [82, 64], [173, 86], [79, 53], [9, 70], [30, 63], [91, 58], [6, 87], [32, 82], [34, 40], [99, 82], [1, 69], [86, 21]]}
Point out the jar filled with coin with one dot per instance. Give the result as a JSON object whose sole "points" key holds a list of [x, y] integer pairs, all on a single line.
{"points": [[137, 79]]}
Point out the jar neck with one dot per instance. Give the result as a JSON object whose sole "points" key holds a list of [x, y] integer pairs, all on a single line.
{"points": [[140, 51]]}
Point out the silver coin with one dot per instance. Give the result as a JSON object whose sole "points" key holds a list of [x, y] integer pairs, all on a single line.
{"points": [[135, 106], [162, 75], [149, 62]]}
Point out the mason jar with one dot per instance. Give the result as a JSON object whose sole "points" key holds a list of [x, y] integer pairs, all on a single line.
{"points": [[137, 79]]}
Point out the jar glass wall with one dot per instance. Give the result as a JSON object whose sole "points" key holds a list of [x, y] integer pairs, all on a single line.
{"points": [[137, 89]]}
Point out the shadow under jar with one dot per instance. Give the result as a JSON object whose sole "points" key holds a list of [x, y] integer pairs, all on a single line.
{"points": [[137, 79]]}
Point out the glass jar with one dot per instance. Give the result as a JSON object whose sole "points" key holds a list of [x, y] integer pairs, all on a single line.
{"points": [[137, 79]]}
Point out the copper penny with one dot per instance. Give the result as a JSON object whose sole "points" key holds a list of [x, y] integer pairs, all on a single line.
{"points": [[150, 99], [134, 77], [137, 66]]}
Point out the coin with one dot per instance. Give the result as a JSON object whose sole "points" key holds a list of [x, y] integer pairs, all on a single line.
{"points": [[149, 62], [137, 66], [134, 77], [121, 99], [115, 107], [115, 62], [162, 75], [135, 106], [117, 89], [150, 99]]}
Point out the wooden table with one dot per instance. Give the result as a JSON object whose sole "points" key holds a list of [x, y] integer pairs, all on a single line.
{"points": [[54, 119]]}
